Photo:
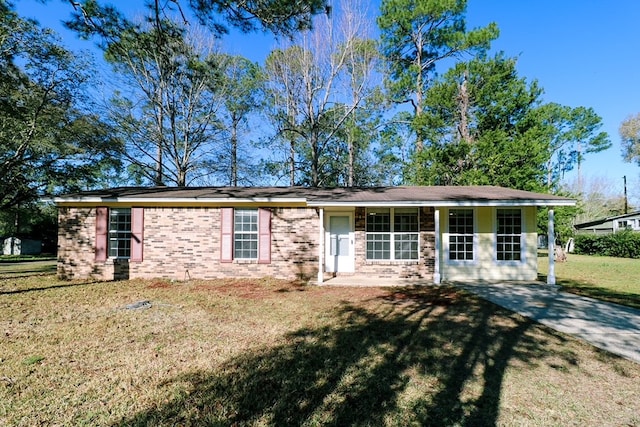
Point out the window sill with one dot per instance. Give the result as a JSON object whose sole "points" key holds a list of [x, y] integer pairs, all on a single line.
{"points": [[461, 263], [392, 261], [510, 263], [245, 261]]}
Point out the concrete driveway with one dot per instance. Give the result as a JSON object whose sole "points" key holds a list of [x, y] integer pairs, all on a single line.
{"points": [[608, 326]]}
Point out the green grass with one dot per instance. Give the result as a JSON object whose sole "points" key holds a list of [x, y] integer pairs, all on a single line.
{"points": [[275, 353], [19, 267], [607, 278], [23, 258]]}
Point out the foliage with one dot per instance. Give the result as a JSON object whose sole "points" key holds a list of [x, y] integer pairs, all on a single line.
{"points": [[283, 17], [630, 135], [393, 150], [483, 124], [597, 198], [503, 143], [170, 117], [321, 89], [624, 244], [50, 140], [564, 217], [242, 86], [37, 220], [572, 132], [418, 34], [167, 107]]}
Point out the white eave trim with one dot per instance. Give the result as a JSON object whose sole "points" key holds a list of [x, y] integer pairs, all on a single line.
{"points": [[183, 201], [95, 201], [447, 203]]}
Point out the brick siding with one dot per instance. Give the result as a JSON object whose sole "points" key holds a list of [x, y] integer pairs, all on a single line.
{"points": [[181, 243]]}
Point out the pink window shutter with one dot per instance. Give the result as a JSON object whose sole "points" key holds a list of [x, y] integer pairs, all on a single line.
{"points": [[264, 236], [226, 234], [137, 234], [102, 228]]}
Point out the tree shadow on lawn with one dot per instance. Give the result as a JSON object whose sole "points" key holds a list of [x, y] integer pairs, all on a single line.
{"points": [[8, 271], [48, 287], [406, 359]]}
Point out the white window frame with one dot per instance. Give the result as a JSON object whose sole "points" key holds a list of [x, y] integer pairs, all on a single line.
{"points": [[625, 224], [474, 240], [522, 237], [119, 237], [245, 234], [393, 236]]}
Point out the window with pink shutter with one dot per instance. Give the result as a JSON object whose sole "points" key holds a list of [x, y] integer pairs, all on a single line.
{"points": [[245, 234], [226, 234], [137, 234], [102, 227], [264, 236]]}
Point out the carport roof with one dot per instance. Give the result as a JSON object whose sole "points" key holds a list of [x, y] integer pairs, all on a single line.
{"points": [[316, 197]]}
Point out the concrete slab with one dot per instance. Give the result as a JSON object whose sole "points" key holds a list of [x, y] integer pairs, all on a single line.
{"points": [[360, 280], [608, 326]]}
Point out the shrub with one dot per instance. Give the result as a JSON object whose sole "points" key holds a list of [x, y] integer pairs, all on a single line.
{"points": [[623, 244]]}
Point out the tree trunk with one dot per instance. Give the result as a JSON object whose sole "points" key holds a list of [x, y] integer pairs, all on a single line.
{"points": [[159, 177], [418, 113], [292, 162], [351, 143], [315, 175], [234, 154], [352, 156], [463, 105]]}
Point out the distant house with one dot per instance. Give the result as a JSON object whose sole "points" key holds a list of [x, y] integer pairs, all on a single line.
{"points": [[19, 246], [426, 233], [613, 224]]}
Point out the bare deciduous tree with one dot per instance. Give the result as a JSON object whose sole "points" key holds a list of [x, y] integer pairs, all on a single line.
{"points": [[316, 83], [167, 107]]}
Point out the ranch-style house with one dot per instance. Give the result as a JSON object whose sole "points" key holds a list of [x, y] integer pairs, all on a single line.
{"points": [[429, 234]]}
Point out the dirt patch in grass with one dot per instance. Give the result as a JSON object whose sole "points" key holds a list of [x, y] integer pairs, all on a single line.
{"points": [[269, 352]]}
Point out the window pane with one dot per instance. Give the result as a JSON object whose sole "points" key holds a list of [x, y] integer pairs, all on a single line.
{"points": [[119, 233], [461, 234], [245, 237], [378, 220], [405, 219], [395, 228], [509, 235], [406, 246], [378, 246]]}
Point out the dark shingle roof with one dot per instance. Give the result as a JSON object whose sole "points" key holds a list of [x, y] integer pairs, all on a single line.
{"points": [[359, 196]]}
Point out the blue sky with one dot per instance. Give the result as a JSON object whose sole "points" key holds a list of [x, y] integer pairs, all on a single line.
{"points": [[582, 52]]}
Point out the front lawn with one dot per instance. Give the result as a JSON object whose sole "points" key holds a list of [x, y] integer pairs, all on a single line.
{"points": [[275, 353], [606, 278], [17, 267]]}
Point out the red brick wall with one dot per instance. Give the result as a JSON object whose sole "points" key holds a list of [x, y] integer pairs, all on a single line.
{"points": [[182, 243], [76, 245]]}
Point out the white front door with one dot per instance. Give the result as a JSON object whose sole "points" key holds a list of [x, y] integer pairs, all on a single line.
{"points": [[339, 247]]}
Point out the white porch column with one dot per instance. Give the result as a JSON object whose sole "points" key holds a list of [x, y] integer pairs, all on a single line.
{"points": [[551, 277], [321, 248], [436, 252]]}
